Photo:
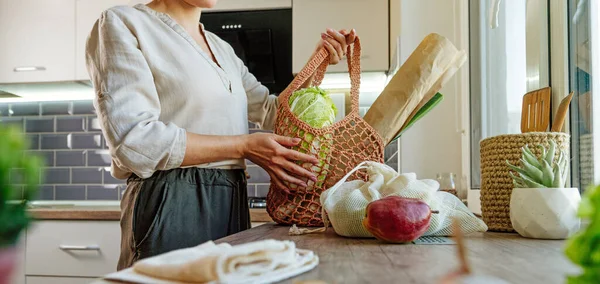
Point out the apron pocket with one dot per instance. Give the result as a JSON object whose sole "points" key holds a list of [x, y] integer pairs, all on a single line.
{"points": [[146, 213]]}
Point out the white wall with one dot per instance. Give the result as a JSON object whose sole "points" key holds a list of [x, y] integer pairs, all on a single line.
{"points": [[437, 143]]}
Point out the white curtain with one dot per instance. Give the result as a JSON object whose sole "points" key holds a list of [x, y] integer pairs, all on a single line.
{"points": [[512, 59]]}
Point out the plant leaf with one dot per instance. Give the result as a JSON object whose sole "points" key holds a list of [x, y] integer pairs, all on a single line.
{"points": [[518, 182], [564, 165], [535, 173], [529, 150], [530, 157], [516, 169], [543, 156], [548, 174], [557, 182], [531, 183], [551, 151]]}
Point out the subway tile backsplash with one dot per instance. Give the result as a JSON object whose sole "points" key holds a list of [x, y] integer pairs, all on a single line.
{"points": [[70, 158], [67, 136]]}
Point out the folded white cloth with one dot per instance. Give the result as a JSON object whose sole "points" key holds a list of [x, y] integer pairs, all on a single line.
{"points": [[256, 262]]}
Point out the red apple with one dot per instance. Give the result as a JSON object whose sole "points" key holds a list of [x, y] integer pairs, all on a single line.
{"points": [[397, 219]]}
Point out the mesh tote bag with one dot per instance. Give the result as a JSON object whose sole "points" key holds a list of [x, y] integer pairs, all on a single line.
{"points": [[339, 147], [345, 203]]}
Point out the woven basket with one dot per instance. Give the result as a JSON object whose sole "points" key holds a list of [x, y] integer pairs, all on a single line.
{"points": [[496, 183]]}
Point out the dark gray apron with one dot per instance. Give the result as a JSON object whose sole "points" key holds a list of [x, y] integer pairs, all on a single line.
{"points": [[180, 208]]}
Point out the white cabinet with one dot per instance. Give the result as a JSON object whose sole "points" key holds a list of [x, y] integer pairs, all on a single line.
{"points": [[38, 40], [72, 248], [18, 276], [369, 18], [59, 280], [87, 13]]}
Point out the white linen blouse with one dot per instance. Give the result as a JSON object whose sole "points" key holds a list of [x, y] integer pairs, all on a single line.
{"points": [[153, 83]]}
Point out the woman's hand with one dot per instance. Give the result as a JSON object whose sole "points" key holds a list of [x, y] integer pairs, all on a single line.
{"points": [[271, 152], [336, 42]]}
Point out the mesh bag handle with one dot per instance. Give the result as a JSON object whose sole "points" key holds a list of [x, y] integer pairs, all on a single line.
{"points": [[318, 64]]}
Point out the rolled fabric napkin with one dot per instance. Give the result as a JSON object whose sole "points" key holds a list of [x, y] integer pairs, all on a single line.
{"points": [[257, 262]]}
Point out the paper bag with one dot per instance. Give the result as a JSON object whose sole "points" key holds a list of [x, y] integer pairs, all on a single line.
{"points": [[423, 74]]}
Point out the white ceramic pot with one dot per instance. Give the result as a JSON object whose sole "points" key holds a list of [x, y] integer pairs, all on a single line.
{"points": [[545, 213]]}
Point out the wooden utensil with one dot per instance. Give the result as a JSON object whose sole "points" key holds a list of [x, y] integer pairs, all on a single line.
{"points": [[535, 115], [561, 113]]}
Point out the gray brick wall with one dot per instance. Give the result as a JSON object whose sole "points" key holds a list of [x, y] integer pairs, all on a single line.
{"points": [[67, 135]]}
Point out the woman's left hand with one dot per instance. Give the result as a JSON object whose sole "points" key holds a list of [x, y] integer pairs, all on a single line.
{"points": [[336, 42]]}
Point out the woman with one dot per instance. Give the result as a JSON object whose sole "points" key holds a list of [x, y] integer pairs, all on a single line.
{"points": [[174, 101]]}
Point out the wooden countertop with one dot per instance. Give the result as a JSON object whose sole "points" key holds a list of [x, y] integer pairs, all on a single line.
{"points": [[111, 214], [347, 260]]}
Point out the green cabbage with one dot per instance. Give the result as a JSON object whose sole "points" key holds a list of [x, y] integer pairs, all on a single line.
{"points": [[313, 106]]}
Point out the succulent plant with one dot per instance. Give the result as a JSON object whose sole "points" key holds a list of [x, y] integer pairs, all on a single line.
{"points": [[542, 172]]}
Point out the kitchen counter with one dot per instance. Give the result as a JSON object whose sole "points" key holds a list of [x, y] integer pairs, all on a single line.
{"points": [[100, 210], [58, 213], [346, 260]]}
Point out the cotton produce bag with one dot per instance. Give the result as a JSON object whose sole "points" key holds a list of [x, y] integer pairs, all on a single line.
{"points": [[339, 147], [345, 202]]}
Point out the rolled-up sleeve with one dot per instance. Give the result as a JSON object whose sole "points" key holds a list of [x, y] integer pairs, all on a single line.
{"points": [[127, 102]]}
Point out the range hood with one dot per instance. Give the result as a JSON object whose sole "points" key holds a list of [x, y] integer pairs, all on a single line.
{"points": [[47, 91]]}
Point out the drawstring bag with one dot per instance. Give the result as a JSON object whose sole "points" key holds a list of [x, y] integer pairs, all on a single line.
{"points": [[339, 147], [345, 203]]}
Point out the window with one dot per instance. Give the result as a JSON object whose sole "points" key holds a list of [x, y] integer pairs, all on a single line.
{"points": [[507, 61], [515, 56], [580, 81]]}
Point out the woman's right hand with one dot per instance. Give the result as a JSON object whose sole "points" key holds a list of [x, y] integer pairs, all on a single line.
{"points": [[271, 152]]}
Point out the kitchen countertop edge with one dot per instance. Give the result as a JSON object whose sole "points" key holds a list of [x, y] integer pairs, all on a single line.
{"points": [[111, 214]]}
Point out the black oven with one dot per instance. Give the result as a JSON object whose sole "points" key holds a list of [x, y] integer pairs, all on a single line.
{"points": [[262, 39]]}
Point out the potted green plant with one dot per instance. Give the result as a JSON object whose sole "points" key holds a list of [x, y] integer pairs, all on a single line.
{"points": [[583, 248], [540, 205], [13, 202]]}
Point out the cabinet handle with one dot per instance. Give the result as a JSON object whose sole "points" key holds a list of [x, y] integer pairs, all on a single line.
{"points": [[29, 68], [90, 247]]}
